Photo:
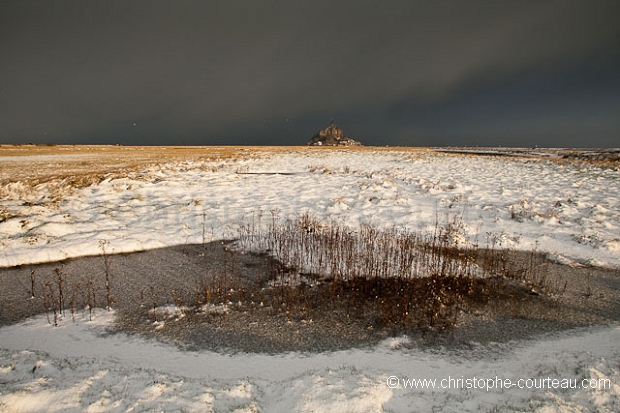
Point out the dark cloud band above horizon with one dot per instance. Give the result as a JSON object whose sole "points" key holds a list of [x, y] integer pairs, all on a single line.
{"points": [[246, 72]]}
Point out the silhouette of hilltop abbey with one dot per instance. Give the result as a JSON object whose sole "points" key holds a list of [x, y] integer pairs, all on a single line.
{"points": [[332, 136]]}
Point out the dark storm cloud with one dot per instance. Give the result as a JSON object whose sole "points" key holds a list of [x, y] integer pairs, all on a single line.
{"points": [[406, 72]]}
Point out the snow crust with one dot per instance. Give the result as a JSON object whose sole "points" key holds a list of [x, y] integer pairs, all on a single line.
{"points": [[78, 366], [570, 211]]}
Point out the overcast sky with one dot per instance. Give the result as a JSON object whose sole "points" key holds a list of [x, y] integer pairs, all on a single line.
{"points": [[415, 73]]}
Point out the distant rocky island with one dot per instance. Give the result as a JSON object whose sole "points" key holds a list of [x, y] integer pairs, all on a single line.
{"points": [[332, 136]]}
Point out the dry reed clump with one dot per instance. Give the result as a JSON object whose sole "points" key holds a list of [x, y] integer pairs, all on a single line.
{"points": [[60, 291], [392, 279]]}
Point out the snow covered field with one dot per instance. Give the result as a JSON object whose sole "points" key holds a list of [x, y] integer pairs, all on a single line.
{"points": [[569, 210], [74, 368]]}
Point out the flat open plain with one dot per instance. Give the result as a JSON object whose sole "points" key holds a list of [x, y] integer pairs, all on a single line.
{"points": [[159, 221]]}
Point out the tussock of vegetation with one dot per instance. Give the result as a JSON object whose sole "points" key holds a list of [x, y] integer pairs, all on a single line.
{"points": [[393, 279], [234, 294]]}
